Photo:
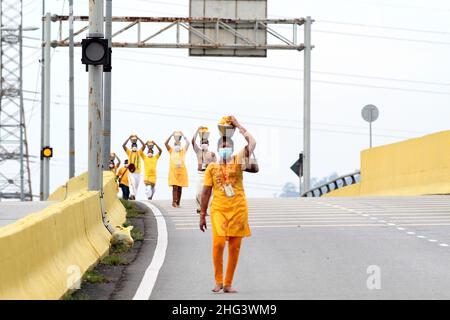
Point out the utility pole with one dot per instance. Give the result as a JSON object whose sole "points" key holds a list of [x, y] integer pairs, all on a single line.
{"points": [[71, 95], [107, 93], [307, 106], [95, 174], [41, 180], [47, 99]]}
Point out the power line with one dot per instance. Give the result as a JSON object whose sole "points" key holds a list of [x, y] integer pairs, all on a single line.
{"points": [[165, 107], [383, 37], [286, 78], [290, 127], [340, 74], [289, 78], [383, 27]]}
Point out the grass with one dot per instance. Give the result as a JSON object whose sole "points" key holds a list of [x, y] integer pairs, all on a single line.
{"points": [[130, 207], [70, 297], [114, 260], [137, 235], [120, 248], [94, 276]]}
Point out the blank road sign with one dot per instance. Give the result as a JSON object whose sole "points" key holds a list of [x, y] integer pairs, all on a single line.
{"points": [[370, 113], [228, 9]]}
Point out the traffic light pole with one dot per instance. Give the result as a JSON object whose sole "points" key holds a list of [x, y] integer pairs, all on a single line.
{"points": [[95, 174], [46, 140], [71, 95], [107, 93], [41, 180], [307, 106]]}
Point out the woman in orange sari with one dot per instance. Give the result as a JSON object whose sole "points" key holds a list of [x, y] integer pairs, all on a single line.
{"points": [[229, 210]]}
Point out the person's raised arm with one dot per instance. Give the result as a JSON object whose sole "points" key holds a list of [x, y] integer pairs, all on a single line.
{"points": [[158, 147], [206, 195], [167, 141], [186, 141], [142, 143], [124, 146], [194, 143], [251, 142], [118, 161]]}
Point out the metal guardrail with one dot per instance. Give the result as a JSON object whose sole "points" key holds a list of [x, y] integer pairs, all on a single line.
{"points": [[335, 184]]}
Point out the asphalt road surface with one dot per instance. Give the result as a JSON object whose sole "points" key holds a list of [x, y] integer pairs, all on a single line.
{"points": [[318, 248], [12, 211]]}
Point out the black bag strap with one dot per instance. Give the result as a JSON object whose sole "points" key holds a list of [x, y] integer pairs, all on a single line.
{"points": [[120, 179]]}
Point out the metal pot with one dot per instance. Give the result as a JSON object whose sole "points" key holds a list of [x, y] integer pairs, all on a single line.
{"points": [[226, 130]]}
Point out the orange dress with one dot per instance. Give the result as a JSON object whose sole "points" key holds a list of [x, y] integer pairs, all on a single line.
{"points": [[178, 175], [229, 215]]}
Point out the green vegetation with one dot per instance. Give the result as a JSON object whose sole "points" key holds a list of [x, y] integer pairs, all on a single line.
{"points": [[120, 248], [137, 235], [94, 276], [114, 260], [70, 297], [130, 207]]}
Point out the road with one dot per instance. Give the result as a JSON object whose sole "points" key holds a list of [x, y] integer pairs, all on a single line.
{"points": [[318, 248], [12, 211]]}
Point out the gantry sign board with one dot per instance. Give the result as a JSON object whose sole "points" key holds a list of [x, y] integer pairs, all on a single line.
{"points": [[229, 34]]}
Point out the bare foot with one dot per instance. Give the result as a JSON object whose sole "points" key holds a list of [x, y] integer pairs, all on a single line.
{"points": [[217, 288], [229, 289], [174, 204]]}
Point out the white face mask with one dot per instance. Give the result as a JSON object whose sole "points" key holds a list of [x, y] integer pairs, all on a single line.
{"points": [[150, 155], [204, 146], [134, 149], [177, 148]]}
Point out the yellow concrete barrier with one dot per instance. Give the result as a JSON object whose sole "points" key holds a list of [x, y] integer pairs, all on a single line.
{"points": [[44, 254], [419, 166], [114, 209]]}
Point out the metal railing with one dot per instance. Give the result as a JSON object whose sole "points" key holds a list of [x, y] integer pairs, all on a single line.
{"points": [[335, 184]]}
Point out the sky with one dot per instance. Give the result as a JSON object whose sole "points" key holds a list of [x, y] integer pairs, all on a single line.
{"points": [[393, 54]]}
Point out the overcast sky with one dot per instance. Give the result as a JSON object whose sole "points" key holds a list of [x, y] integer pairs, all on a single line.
{"points": [[393, 54]]}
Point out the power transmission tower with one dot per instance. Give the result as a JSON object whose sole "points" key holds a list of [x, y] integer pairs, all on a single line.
{"points": [[15, 180]]}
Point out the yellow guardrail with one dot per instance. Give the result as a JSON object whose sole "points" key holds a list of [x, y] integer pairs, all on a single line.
{"points": [[44, 254], [419, 166]]}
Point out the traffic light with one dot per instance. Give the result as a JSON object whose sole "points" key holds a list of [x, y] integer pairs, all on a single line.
{"points": [[46, 152], [96, 52]]}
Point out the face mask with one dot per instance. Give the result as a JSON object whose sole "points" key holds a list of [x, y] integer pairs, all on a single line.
{"points": [[177, 148], [204, 146], [134, 149], [111, 166], [225, 153], [150, 155]]}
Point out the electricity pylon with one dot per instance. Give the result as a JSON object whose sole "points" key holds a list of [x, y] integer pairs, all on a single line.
{"points": [[15, 180]]}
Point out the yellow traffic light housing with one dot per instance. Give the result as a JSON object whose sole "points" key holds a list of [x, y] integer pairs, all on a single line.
{"points": [[47, 152]]}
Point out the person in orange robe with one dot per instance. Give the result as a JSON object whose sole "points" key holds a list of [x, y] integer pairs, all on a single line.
{"points": [[178, 174], [229, 210]]}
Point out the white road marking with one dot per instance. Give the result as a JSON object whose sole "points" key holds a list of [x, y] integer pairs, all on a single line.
{"points": [[411, 233], [443, 245], [145, 288]]}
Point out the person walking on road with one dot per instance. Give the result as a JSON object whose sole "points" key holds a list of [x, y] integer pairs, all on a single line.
{"points": [[134, 157], [122, 176], [113, 166], [150, 161], [178, 175], [204, 158], [229, 210]]}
